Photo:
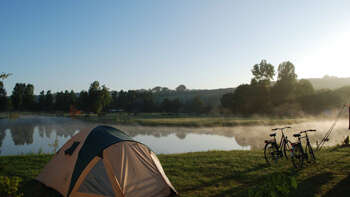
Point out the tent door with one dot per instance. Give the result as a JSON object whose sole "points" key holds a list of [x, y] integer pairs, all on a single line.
{"points": [[95, 181]]}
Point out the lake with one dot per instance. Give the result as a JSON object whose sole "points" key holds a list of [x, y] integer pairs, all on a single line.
{"points": [[38, 134]]}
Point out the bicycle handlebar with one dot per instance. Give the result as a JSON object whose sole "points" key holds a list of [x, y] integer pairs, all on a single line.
{"points": [[310, 130]]}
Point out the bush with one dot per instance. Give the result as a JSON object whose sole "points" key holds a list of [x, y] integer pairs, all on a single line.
{"points": [[13, 115], [275, 185], [288, 110], [9, 186]]}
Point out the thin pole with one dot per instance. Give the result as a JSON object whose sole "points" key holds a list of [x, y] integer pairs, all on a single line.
{"points": [[326, 137], [349, 117]]}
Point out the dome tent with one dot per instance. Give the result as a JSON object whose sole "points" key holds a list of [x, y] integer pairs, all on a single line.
{"points": [[105, 162]]}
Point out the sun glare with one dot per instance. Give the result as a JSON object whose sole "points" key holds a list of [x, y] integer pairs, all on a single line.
{"points": [[329, 57]]}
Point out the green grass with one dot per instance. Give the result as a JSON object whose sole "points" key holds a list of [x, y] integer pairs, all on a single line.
{"points": [[217, 173]]}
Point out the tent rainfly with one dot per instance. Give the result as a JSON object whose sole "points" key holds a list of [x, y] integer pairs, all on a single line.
{"points": [[106, 162]]}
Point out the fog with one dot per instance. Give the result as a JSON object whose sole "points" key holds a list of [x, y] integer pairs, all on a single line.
{"points": [[33, 133]]}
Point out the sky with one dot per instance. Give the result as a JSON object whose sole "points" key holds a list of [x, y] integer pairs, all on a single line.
{"points": [[203, 44]]}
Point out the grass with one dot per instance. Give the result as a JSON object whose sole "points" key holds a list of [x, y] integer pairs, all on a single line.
{"points": [[217, 173]]}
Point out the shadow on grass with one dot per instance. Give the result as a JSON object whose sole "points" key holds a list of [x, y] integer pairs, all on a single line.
{"points": [[341, 189], [312, 185], [239, 175], [35, 189], [252, 182]]}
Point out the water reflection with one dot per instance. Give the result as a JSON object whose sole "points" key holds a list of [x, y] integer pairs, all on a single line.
{"points": [[45, 134], [36, 134]]}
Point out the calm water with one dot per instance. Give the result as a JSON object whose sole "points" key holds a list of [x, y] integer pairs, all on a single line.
{"points": [[28, 135]]}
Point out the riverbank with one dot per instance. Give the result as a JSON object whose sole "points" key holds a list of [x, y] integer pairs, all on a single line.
{"points": [[197, 121], [217, 173], [169, 120]]}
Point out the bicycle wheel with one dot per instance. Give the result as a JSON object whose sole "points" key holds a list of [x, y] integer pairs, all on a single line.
{"points": [[297, 156], [270, 153], [286, 150]]}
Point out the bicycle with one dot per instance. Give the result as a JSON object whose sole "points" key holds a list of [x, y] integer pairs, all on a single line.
{"points": [[298, 152], [274, 151]]}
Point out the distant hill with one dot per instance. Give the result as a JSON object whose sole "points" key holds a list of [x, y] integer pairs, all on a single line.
{"points": [[211, 97], [329, 82]]}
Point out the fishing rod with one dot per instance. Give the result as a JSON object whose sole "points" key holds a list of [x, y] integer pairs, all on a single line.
{"points": [[326, 137], [349, 115]]}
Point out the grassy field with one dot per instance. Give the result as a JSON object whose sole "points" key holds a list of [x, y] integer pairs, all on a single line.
{"points": [[217, 173]]}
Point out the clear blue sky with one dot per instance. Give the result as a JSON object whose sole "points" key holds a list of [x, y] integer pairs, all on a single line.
{"points": [[58, 45]]}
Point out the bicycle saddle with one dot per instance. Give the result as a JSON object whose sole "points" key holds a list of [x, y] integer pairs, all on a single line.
{"points": [[270, 141], [296, 135], [272, 134]]}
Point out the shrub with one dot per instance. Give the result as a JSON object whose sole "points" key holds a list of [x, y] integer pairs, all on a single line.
{"points": [[9, 187], [13, 115]]}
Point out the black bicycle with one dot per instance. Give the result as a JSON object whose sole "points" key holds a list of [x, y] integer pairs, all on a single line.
{"points": [[274, 151], [299, 154]]}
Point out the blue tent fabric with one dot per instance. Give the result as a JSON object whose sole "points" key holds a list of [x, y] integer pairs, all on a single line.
{"points": [[98, 139]]}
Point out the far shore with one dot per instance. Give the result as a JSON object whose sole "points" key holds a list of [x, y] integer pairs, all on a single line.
{"points": [[170, 120]]}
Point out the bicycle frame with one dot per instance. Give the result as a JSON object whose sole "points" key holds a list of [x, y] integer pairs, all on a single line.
{"points": [[307, 145], [274, 150], [284, 140]]}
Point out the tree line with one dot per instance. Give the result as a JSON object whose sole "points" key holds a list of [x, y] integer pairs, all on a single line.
{"points": [[97, 99], [287, 96]]}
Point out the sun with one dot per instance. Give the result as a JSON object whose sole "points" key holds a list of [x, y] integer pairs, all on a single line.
{"points": [[329, 57]]}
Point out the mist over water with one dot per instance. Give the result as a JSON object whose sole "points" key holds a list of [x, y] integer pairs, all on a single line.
{"points": [[38, 134]]}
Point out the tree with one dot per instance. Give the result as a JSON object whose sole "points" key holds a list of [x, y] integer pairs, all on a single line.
{"points": [[263, 73], [106, 97], [181, 88], [194, 105], [28, 97], [148, 102], [72, 99], [320, 101], [286, 72], [156, 89], [49, 101], [171, 106], [95, 97], [304, 88], [122, 101], [242, 100], [41, 101], [3, 98], [176, 105], [83, 101], [4, 101], [227, 101], [23, 96], [4, 75], [17, 96], [65, 100], [99, 97], [284, 89]]}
